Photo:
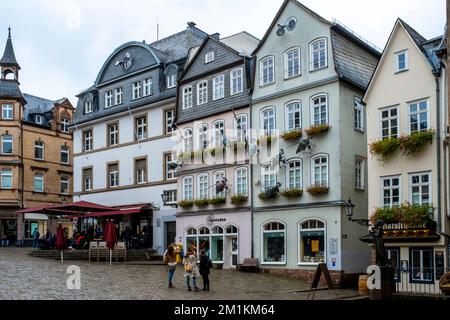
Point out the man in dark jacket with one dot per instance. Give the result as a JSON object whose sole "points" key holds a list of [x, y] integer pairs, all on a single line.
{"points": [[205, 266]]}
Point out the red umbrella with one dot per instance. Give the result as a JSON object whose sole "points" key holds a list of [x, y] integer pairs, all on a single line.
{"points": [[111, 238], [105, 231], [60, 240]]}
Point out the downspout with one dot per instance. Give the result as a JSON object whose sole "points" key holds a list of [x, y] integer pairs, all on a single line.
{"points": [[437, 73], [252, 75]]}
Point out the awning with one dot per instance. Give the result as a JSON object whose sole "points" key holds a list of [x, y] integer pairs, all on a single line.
{"points": [[67, 209], [111, 213], [405, 236], [35, 216]]}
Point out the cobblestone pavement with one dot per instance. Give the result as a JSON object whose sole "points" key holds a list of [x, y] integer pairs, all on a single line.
{"points": [[25, 277]]}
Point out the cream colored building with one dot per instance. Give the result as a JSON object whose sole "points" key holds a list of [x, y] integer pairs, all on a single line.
{"points": [[405, 101]]}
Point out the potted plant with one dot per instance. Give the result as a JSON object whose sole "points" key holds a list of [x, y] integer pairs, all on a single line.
{"points": [[383, 148], [217, 201], [318, 190], [292, 193], [317, 129], [292, 135], [239, 199], [185, 204], [201, 202]]}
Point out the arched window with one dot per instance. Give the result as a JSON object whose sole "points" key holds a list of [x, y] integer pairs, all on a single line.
{"points": [[203, 186], [293, 116], [204, 240], [191, 231], [65, 154], [203, 138], [202, 92], [187, 97], [7, 144], [267, 117], [273, 243], [39, 150], [218, 133], [268, 177], [319, 110], [217, 230], [312, 241], [231, 229], [267, 71], [219, 87], [292, 63], [219, 176], [319, 174], [318, 54], [188, 188], [241, 127], [241, 181], [236, 81], [203, 230], [187, 143], [191, 240], [294, 174]]}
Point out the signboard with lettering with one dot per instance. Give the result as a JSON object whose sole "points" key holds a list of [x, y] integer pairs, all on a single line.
{"points": [[210, 220]]}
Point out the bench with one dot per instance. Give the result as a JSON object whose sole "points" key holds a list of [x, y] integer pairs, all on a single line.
{"points": [[249, 265], [444, 284]]}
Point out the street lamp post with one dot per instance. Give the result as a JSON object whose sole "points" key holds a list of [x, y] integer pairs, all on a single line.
{"points": [[165, 198], [349, 206]]}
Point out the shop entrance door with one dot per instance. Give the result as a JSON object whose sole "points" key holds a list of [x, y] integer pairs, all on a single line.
{"points": [[231, 259], [170, 233]]}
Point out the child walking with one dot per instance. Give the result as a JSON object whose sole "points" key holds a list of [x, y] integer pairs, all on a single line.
{"points": [[191, 271]]}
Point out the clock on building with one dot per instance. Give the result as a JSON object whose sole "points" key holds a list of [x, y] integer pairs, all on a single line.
{"points": [[128, 61]]}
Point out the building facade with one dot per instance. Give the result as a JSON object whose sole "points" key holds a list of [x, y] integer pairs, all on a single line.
{"points": [[35, 153], [124, 135], [407, 134], [214, 174], [310, 77]]}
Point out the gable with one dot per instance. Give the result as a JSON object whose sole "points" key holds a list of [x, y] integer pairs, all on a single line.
{"points": [[142, 57], [222, 56]]}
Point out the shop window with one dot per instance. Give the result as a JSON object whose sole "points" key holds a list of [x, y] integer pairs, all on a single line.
{"points": [[231, 230], [312, 241], [273, 243], [394, 255], [421, 264]]}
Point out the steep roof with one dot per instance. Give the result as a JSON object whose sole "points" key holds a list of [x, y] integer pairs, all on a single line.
{"points": [[36, 105], [242, 42], [9, 58], [416, 36], [10, 89]]}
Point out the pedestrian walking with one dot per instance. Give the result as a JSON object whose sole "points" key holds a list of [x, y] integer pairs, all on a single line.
{"points": [[170, 259], [36, 236], [127, 237], [205, 267], [191, 271]]}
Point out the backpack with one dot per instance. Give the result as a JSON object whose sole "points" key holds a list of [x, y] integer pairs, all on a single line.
{"points": [[210, 265]]}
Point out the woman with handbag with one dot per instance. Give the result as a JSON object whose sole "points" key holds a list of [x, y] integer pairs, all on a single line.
{"points": [[191, 271], [170, 259]]}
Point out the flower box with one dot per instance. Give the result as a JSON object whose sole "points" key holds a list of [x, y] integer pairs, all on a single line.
{"points": [[317, 190], [185, 204], [414, 143], [239, 199], [317, 130], [217, 201], [383, 148], [186, 155], [265, 140], [263, 196], [292, 135], [406, 213], [292, 193], [201, 202]]}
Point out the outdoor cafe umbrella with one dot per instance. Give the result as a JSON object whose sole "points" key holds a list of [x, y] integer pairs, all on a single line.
{"points": [[60, 240], [111, 238]]}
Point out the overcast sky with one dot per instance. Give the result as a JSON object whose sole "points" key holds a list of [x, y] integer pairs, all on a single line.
{"points": [[62, 44]]}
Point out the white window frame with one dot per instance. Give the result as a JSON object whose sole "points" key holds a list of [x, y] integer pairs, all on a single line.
{"points": [[219, 87], [169, 118], [389, 120], [7, 111], [359, 114], [88, 107], [38, 177], [321, 170], [264, 81], [289, 61], [203, 186], [65, 180], [202, 92], [397, 60], [118, 96], [8, 173], [417, 113], [39, 119], [65, 125], [170, 173], [113, 176], [241, 134], [171, 80], [421, 267], [141, 128], [270, 172], [88, 140], [312, 52], [209, 56], [3, 140], [218, 133], [219, 175], [187, 142], [88, 179], [266, 116], [187, 97], [65, 150], [113, 134], [40, 146], [171, 197], [263, 231], [289, 113], [299, 243], [241, 181], [236, 81], [420, 185], [141, 174], [203, 136], [108, 99], [288, 173], [188, 194], [360, 171], [147, 87], [320, 105], [137, 90], [383, 188]]}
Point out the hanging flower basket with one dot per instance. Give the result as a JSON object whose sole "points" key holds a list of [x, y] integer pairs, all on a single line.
{"points": [[217, 201], [292, 135], [239, 199], [185, 204], [292, 193], [201, 202], [317, 130], [318, 190]]}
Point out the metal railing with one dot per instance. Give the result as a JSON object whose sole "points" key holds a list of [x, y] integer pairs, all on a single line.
{"points": [[420, 281]]}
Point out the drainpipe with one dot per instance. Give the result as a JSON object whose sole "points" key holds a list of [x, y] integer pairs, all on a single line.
{"points": [[250, 92], [437, 73]]}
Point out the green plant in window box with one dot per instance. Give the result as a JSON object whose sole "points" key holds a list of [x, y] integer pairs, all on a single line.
{"points": [[383, 148], [292, 193], [214, 151], [317, 130], [292, 135], [238, 145], [265, 140], [186, 155], [199, 153], [201, 202], [405, 213], [414, 143], [318, 190], [185, 204], [239, 199], [217, 201], [263, 196]]}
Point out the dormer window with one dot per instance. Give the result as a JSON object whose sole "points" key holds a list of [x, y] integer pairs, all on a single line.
{"points": [[108, 99], [401, 61], [88, 107], [65, 125], [209, 57], [171, 81], [39, 119]]}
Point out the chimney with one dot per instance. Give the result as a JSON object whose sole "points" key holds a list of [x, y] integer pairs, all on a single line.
{"points": [[191, 24], [215, 36]]}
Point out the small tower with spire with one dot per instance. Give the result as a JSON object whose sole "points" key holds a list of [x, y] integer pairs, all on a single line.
{"points": [[9, 67]]}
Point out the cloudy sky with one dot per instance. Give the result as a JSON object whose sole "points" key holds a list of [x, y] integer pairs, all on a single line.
{"points": [[62, 44]]}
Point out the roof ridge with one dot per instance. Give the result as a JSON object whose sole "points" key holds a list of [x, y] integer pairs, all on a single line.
{"points": [[176, 34], [417, 37]]}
